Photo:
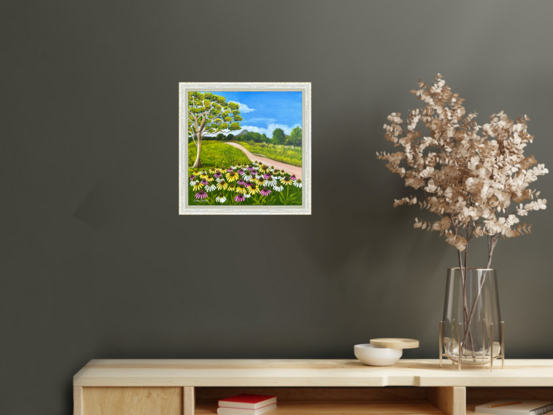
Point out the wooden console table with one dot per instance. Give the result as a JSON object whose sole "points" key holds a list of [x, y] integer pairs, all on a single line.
{"points": [[321, 387]]}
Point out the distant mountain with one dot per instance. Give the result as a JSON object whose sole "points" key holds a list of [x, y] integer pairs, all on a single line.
{"points": [[242, 133]]}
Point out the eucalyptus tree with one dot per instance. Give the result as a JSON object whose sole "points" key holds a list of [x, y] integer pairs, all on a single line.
{"points": [[209, 114]]}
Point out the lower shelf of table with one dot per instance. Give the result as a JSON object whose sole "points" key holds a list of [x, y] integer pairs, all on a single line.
{"points": [[186, 400], [334, 408]]}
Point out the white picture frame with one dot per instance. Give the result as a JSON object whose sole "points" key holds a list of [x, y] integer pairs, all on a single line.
{"points": [[184, 206]]}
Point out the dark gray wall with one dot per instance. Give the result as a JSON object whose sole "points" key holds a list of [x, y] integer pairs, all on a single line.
{"points": [[96, 262]]}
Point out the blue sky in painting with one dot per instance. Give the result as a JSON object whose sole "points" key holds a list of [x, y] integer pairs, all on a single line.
{"points": [[263, 111]]}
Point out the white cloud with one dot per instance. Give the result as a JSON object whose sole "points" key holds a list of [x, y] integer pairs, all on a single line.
{"points": [[269, 130], [244, 108], [267, 120]]}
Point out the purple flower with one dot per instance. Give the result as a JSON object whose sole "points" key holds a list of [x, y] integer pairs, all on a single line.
{"points": [[248, 184], [265, 191], [201, 195], [293, 177], [230, 170], [240, 172], [239, 197], [241, 182], [192, 178], [268, 177], [204, 182], [217, 175], [251, 169]]}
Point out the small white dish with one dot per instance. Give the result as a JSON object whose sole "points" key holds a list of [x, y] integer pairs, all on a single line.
{"points": [[376, 356]]}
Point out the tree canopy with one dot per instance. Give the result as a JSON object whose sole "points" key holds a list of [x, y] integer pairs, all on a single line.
{"points": [[296, 137], [278, 136], [209, 114]]}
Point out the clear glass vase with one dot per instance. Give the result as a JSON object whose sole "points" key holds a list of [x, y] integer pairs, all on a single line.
{"points": [[471, 331]]}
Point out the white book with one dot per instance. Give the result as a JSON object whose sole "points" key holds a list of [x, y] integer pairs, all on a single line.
{"points": [[241, 411], [515, 407]]}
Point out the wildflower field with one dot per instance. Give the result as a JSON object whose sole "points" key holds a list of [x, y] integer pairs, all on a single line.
{"points": [[217, 154], [248, 183], [287, 154]]}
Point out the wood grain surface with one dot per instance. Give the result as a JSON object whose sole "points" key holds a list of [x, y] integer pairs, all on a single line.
{"points": [[132, 401], [450, 400], [301, 373]]}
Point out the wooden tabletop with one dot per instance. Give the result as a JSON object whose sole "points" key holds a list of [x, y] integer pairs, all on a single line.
{"points": [[317, 373]]}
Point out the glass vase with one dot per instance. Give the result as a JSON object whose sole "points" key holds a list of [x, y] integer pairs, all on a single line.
{"points": [[471, 332]]}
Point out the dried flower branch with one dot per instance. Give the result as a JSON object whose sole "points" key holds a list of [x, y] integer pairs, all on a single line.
{"points": [[475, 178]]}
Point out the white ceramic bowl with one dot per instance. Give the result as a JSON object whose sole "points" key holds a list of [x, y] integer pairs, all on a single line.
{"points": [[376, 356]]}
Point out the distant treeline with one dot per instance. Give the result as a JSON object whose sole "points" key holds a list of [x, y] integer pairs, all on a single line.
{"points": [[294, 139]]}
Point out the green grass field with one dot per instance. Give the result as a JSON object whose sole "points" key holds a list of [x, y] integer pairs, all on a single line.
{"points": [[216, 155], [285, 154]]}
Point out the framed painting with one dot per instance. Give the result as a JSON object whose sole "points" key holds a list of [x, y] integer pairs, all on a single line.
{"points": [[245, 148]]}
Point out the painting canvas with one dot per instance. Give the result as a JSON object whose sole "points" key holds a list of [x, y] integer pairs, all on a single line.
{"points": [[245, 148]]}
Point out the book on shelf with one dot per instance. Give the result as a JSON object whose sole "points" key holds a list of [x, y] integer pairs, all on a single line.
{"points": [[247, 401], [515, 407], [247, 404], [242, 411]]}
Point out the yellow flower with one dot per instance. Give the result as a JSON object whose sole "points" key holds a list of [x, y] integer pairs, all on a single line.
{"points": [[222, 185], [253, 189], [232, 176], [231, 188], [198, 186], [286, 181]]}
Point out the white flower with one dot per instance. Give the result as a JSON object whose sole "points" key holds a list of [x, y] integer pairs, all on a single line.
{"points": [[193, 182], [278, 188], [221, 199], [431, 187], [521, 211], [210, 187], [511, 220]]}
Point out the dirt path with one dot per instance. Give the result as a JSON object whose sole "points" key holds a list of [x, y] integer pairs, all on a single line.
{"points": [[270, 162]]}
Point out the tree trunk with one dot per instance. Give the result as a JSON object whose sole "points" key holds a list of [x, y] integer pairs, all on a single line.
{"points": [[198, 162]]}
